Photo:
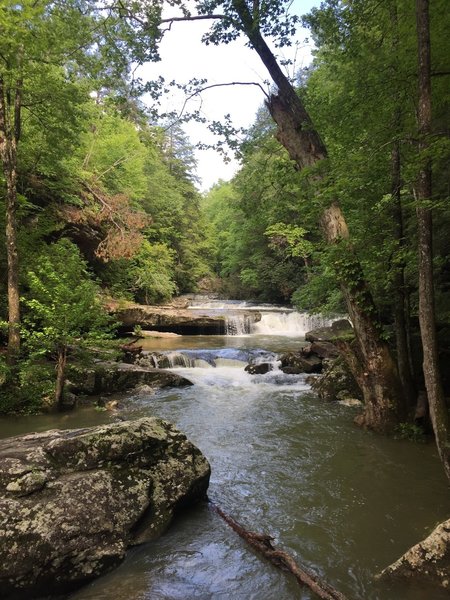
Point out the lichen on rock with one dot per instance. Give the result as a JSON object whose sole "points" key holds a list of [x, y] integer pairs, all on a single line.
{"points": [[72, 501]]}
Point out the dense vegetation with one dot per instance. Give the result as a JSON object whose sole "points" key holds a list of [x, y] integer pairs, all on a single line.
{"points": [[342, 175], [100, 201]]}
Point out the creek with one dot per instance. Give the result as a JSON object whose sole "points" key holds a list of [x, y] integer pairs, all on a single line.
{"points": [[343, 501]]}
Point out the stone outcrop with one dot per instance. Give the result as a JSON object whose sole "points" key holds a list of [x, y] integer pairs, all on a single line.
{"points": [[428, 560], [294, 363], [172, 319], [336, 383], [109, 377], [339, 328], [330, 377], [72, 501]]}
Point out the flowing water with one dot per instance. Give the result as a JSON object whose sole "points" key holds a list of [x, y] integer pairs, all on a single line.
{"points": [[343, 501]]}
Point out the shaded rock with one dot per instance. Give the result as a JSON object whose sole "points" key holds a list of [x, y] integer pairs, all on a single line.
{"points": [[428, 560], [324, 350], [336, 382], [108, 377], [72, 501], [177, 320], [259, 369], [294, 363], [339, 328]]}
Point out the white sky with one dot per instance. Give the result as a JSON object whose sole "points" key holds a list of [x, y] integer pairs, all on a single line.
{"points": [[183, 57]]}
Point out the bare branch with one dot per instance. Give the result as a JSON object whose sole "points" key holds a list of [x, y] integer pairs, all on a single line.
{"points": [[195, 18], [215, 85]]}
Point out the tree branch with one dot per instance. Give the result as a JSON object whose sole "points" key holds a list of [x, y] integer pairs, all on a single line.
{"points": [[215, 85], [194, 18], [263, 544]]}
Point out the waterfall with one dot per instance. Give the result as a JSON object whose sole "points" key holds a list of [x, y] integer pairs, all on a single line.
{"points": [[275, 320], [237, 324], [293, 324]]}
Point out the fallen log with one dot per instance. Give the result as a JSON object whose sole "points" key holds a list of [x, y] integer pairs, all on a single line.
{"points": [[284, 561]]}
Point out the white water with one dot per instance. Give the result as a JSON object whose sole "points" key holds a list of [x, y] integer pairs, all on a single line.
{"points": [[237, 325], [291, 324], [275, 320]]}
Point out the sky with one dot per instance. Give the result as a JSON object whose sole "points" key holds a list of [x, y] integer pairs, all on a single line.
{"points": [[183, 56]]}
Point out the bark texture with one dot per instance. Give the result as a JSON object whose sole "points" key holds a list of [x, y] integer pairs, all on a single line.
{"points": [[10, 109], [438, 409]]}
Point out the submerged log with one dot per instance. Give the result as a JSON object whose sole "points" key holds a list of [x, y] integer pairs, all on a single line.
{"points": [[262, 543]]}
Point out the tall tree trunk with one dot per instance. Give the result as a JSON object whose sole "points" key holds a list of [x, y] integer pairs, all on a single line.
{"points": [[401, 306], [60, 375], [400, 296], [438, 409], [9, 138], [384, 402]]}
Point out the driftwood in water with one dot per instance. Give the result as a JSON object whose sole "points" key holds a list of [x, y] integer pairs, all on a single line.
{"points": [[263, 544]]}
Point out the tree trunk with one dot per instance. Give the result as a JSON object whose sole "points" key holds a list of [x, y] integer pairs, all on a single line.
{"points": [[382, 389], [401, 306], [438, 409], [400, 298], [60, 375], [9, 137]]}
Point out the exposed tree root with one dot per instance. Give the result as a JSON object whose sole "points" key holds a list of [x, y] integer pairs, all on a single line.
{"points": [[263, 544]]}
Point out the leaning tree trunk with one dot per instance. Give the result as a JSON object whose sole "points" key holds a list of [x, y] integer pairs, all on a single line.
{"points": [[9, 137], [436, 401], [384, 404]]}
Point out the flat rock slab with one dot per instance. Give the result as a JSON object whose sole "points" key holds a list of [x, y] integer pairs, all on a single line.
{"points": [[172, 319], [72, 501]]}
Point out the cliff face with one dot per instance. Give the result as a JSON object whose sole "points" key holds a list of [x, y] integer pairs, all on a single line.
{"points": [[72, 501]]}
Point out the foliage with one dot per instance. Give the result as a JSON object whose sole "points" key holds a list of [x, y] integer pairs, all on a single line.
{"points": [[411, 432], [62, 305]]}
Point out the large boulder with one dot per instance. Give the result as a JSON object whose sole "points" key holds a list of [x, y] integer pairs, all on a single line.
{"points": [[428, 560], [259, 368], [72, 501]]}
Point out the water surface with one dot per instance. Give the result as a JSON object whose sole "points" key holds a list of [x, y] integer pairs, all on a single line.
{"points": [[343, 501]]}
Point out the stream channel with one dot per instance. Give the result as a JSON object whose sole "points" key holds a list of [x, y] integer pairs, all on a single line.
{"points": [[344, 502]]}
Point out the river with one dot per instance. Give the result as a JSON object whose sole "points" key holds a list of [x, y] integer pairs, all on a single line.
{"points": [[344, 502]]}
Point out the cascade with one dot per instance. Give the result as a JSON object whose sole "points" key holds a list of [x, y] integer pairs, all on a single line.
{"points": [[237, 324], [292, 323]]}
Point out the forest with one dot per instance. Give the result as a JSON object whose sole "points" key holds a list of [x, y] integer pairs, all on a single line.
{"points": [[340, 204]]}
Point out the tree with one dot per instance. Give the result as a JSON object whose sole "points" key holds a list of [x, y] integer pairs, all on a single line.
{"points": [[36, 38], [46, 48], [62, 308], [438, 409]]}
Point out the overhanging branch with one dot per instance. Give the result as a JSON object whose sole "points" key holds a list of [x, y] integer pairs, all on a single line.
{"points": [[215, 85]]}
